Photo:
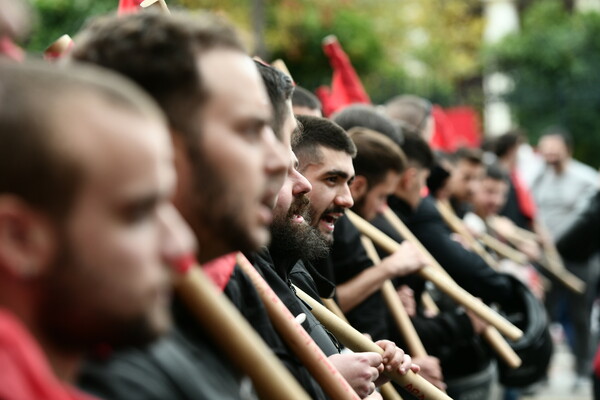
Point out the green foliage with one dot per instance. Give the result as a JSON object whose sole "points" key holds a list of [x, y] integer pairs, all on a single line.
{"points": [[377, 35], [57, 17], [555, 64]]}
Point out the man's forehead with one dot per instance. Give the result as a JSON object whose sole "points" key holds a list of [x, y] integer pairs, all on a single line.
{"points": [[230, 75], [331, 158]]}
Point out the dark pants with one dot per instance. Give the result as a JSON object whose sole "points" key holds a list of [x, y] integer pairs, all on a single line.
{"points": [[573, 311]]}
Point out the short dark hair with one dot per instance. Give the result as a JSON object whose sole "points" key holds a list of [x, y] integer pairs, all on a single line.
{"points": [[33, 98], [367, 117], [316, 132], [417, 151], [304, 98], [472, 155], [280, 88], [159, 52], [495, 172], [376, 155], [411, 111], [560, 132], [503, 144]]}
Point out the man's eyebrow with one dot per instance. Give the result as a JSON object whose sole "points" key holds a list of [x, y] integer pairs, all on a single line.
{"points": [[338, 172]]}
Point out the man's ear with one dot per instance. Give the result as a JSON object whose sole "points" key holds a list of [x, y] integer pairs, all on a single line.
{"points": [[407, 178], [359, 187], [27, 239]]}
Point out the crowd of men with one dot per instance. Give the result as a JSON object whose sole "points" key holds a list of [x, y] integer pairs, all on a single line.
{"points": [[158, 145]]}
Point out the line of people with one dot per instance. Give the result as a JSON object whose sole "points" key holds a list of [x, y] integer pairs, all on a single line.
{"points": [[108, 186]]}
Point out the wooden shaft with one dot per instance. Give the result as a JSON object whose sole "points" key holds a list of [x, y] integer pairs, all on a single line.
{"points": [[403, 321], [491, 335], [458, 226], [442, 281], [403, 230], [280, 65], [334, 308], [160, 3], [396, 308], [553, 263], [428, 303], [518, 233], [298, 339], [503, 249], [501, 347], [356, 341], [387, 390], [236, 338], [389, 393]]}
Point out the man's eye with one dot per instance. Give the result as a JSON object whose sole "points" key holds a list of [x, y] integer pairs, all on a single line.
{"points": [[138, 213], [253, 130]]}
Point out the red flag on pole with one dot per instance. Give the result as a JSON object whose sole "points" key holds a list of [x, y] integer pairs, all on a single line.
{"points": [[455, 128], [128, 6], [346, 87], [9, 49]]}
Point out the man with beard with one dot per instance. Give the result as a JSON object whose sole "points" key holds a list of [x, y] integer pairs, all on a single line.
{"points": [[292, 239], [230, 166], [359, 280], [87, 231]]}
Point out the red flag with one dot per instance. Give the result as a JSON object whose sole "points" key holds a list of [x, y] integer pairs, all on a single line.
{"points": [[220, 269], [9, 49], [524, 198], [455, 128], [26, 373], [128, 6], [346, 87]]}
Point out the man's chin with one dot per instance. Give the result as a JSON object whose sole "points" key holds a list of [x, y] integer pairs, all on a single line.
{"points": [[327, 235]]}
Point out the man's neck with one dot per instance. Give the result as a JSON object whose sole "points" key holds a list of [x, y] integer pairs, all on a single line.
{"points": [[209, 249], [65, 364], [560, 167]]}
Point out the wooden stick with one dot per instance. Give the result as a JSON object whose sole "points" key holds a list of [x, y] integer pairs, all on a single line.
{"points": [[458, 226], [59, 48], [298, 339], [503, 249], [553, 263], [403, 230], [490, 334], [551, 260], [236, 338], [334, 308], [441, 280], [396, 308], [517, 234], [161, 3], [356, 341], [429, 304], [387, 390], [280, 65], [501, 347]]}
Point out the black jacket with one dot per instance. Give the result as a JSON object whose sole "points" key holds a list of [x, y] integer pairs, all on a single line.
{"points": [[582, 238], [446, 336], [184, 365], [468, 269]]}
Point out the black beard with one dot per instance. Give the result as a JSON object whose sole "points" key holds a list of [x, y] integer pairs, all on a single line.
{"points": [[295, 241]]}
